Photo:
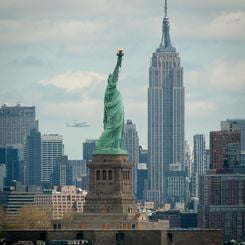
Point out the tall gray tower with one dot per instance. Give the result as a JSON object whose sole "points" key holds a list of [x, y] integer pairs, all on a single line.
{"points": [[200, 163], [16, 123], [33, 158], [165, 115], [199, 154], [131, 144]]}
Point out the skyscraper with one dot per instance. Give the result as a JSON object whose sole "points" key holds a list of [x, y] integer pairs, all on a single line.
{"points": [[33, 158], [16, 123], [199, 164], [188, 159], [199, 154], [142, 174], [3, 173], [14, 165], [131, 144], [62, 173], [143, 155], [79, 169], [51, 148], [141, 181], [88, 148], [165, 114]]}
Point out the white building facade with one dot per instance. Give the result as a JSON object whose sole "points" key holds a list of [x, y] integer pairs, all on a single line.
{"points": [[51, 148]]}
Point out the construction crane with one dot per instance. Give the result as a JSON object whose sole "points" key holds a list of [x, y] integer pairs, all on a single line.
{"points": [[77, 124]]}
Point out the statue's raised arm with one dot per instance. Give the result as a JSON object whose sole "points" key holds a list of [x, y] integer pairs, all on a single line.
{"points": [[113, 78], [110, 141]]}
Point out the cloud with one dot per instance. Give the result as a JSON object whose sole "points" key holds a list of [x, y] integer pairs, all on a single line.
{"points": [[28, 61], [73, 110], [194, 107], [227, 26], [223, 25], [36, 31], [75, 22], [66, 8], [214, 5], [192, 76], [73, 82], [222, 75], [227, 76], [98, 25]]}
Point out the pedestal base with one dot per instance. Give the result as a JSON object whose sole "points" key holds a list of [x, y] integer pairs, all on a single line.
{"points": [[110, 186], [110, 203]]}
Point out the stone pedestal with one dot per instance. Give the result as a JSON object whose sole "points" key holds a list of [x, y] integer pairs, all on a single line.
{"points": [[110, 203], [110, 186]]}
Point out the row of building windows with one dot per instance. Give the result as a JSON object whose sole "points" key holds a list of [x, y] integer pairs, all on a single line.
{"points": [[103, 174], [107, 175], [126, 175]]}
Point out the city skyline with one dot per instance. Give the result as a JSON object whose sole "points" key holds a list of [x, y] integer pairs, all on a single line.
{"points": [[56, 56]]}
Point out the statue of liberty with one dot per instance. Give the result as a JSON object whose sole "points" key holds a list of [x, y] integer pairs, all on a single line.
{"points": [[110, 141]]}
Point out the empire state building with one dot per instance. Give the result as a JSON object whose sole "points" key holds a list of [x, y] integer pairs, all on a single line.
{"points": [[166, 108]]}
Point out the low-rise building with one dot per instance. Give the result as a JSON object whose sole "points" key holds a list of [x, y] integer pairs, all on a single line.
{"points": [[68, 200]]}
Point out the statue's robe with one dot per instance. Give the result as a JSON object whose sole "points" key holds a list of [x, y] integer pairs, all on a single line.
{"points": [[110, 140]]}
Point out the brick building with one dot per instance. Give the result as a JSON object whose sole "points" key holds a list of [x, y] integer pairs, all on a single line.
{"points": [[222, 203], [221, 144]]}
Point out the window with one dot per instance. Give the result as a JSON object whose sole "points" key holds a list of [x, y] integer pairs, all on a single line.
{"points": [[124, 175], [98, 175], [110, 175], [104, 175]]}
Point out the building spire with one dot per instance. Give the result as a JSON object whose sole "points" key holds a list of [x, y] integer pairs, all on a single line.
{"points": [[166, 9], [165, 41]]}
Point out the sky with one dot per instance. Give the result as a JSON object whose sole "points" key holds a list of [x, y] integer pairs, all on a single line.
{"points": [[57, 55]]}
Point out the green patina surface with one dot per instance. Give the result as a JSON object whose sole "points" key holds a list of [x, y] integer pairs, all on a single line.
{"points": [[110, 141]]}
